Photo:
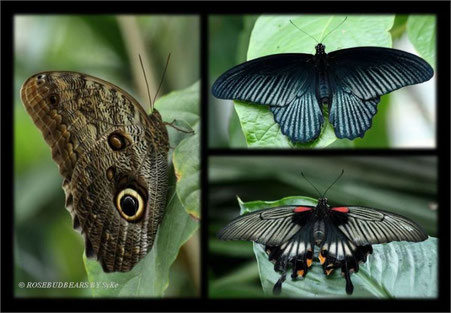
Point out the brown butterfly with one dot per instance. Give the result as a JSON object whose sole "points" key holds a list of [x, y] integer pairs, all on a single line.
{"points": [[113, 158]]}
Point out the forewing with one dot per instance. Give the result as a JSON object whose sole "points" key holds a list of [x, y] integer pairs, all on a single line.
{"points": [[271, 80], [374, 71], [270, 227], [370, 226]]}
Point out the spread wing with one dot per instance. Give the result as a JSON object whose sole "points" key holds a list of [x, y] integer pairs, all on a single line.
{"points": [[270, 227], [365, 226], [302, 118], [350, 115], [272, 80], [370, 72], [359, 76]]}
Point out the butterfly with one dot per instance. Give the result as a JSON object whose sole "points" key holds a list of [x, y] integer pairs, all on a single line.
{"points": [[296, 86], [344, 234], [113, 157]]}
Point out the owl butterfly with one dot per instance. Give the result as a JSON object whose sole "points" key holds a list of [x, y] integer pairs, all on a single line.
{"points": [[113, 158], [344, 235]]}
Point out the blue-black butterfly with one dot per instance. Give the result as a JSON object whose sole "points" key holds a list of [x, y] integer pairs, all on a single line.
{"points": [[344, 235], [296, 86]]}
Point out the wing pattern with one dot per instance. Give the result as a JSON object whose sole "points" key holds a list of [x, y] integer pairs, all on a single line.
{"points": [[350, 115], [272, 80], [288, 84], [374, 71], [301, 119], [269, 227], [344, 235], [370, 226]]}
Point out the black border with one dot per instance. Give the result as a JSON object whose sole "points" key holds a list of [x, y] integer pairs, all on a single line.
{"points": [[440, 8]]}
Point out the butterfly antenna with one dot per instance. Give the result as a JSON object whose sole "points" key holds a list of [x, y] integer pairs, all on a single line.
{"points": [[339, 176], [162, 78], [303, 31], [147, 84], [319, 193], [334, 29]]}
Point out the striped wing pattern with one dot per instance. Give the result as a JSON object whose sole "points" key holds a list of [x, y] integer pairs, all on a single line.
{"points": [[271, 80], [358, 77], [370, 226], [350, 115], [270, 227], [361, 75], [302, 119], [370, 72], [344, 235]]}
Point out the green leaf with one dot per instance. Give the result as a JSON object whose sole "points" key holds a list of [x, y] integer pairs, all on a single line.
{"points": [[246, 207], [150, 277], [275, 34], [399, 26], [236, 136], [421, 30], [183, 106], [394, 270], [187, 170]]}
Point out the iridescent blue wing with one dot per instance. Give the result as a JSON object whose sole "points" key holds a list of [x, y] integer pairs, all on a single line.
{"points": [[302, 118], [271, 80], [285, 82]]}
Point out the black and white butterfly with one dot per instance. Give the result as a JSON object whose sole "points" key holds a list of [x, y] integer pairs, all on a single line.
{"points": [[344, 235], [296, 86]]}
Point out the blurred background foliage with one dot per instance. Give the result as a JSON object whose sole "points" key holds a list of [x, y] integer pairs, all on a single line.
{"points": [[404, 185], [405, 118], [46, 248]]}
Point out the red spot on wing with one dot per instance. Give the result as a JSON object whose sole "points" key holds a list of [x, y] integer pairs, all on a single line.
{"points": [[341, 209], [301, 209]]}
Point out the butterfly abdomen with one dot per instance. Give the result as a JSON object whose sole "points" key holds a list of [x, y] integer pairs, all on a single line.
{"points": [[323, 90], [319, 232]]}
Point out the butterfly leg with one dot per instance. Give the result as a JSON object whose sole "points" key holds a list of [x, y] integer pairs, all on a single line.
{"points": [[172, 124]]}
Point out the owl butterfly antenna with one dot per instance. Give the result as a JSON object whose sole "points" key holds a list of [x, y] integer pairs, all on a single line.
{"points": [[304, 33], [162, 78], [147, 84], [319, 193], [152, 103], [334, 29], [156, 94], [158, 90], [339, 176]]}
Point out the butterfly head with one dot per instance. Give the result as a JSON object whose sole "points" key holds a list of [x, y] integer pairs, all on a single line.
{"points": [[320, 49], [322, 201]]}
